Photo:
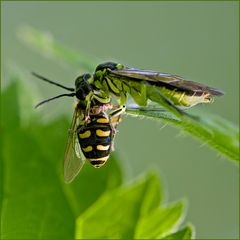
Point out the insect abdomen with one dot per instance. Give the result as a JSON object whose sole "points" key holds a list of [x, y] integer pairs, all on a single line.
{"points": [[184, 98], [95, 139]]}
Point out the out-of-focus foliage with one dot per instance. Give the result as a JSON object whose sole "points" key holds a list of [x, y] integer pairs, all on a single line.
{"points": [[37, 204]]}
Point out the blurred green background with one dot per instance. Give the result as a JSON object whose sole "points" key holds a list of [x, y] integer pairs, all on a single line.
{"points": [[196, 40]]}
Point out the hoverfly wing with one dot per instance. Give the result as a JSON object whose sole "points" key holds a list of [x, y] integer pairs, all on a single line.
{"points": [[164, 80], [73, 158]]}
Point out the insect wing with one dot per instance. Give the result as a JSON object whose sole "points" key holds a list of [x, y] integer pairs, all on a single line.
{"points": [[73, 158], [165, 80]]}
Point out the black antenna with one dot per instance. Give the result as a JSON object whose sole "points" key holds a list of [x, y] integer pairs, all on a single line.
{"points": [[54, 83], [57, 84], [50, 99]]}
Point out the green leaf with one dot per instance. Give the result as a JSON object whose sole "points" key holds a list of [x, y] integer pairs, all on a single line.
{"points": [[212, 130], [129, 212], [116, 213], [183, 234], [216, 132], [160, 222]]}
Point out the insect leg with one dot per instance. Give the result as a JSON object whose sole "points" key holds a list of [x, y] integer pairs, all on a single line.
{"points": [[123, 98], [115, 117], [117, 111]]}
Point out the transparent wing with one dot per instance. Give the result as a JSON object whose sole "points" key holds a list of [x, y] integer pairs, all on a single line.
{"points": [[73, 158], [167, 80]]}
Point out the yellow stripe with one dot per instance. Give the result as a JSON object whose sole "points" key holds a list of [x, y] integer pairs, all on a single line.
{"points": [[86, 134], [103, 148], [102, 120], [99, 159], [87, 149], [101, 133]]}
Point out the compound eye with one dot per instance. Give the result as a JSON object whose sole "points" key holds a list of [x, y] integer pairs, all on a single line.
{"points": [[83, 87], [80, 81], [107, 65], [86, 76]]}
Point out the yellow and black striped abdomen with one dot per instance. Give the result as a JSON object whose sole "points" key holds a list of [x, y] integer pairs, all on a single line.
{"points": [[95, 138]]}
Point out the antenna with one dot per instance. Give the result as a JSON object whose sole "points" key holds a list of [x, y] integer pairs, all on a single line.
{"points": [[56, 84], [59, 96], [52, 82]]}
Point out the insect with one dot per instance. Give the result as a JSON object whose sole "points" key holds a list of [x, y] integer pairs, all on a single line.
{"points": [[95, 118], [118, 80], [93, 127]]}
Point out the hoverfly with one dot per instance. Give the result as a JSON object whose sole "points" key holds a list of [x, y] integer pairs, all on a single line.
{"points": [[118, 80], [93, 127], [90, 138]]}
